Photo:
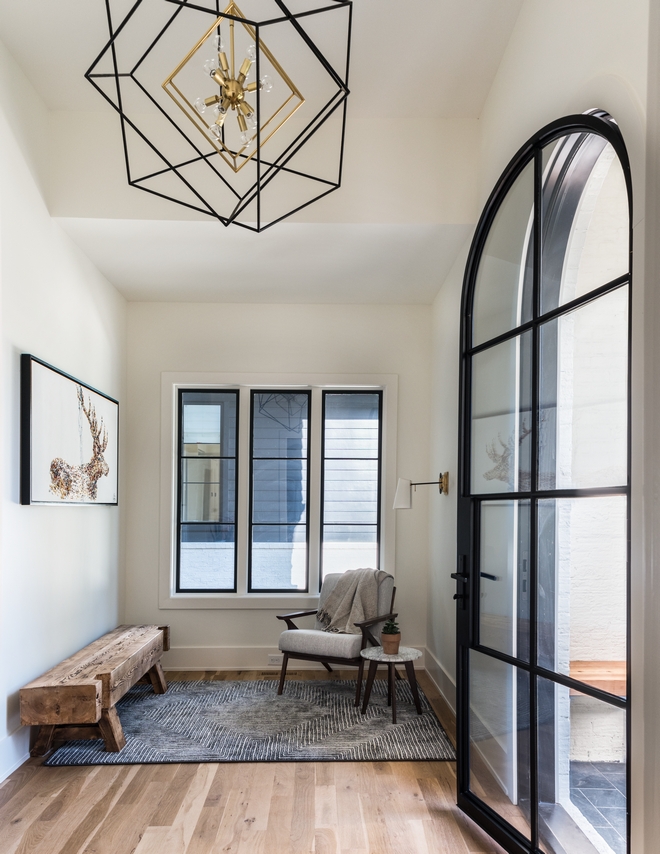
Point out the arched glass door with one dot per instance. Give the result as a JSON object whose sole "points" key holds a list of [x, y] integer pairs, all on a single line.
{"points": [[543, 531]]}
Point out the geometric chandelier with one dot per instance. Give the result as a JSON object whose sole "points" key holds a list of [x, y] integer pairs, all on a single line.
{"points": [[239, 118]]}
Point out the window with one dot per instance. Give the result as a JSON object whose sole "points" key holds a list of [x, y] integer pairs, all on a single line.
{"points": [[208, 428], [271, 501]]}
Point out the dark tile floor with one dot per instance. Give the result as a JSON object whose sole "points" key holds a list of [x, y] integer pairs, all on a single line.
{"points": [[598, 790]]}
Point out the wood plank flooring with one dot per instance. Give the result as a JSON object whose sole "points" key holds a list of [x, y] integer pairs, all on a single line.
{"points": [[246, 808]]}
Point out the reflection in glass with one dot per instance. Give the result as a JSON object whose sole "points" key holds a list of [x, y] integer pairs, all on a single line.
{"points": [[504, 577], [279, 424], [207, 557], [585, 229], [583, 396], [279, 491], [208, 490], [582, 604], [503, 288], [499, 738], [351, 481], [349, 547], [501, 417], [279, 557], [278, 549], [582, 772]]}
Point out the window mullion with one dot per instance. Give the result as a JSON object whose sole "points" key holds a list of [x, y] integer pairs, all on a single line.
{"points": [[243, 496], [315, 504]]}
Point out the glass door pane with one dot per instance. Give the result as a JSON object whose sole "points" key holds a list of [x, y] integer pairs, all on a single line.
{"points": [[503, 288], [583, 418], [501, 417], [499, 738], [582, 773], [504, 577]]}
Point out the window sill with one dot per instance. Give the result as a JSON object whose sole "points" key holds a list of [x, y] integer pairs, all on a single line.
{"points": [[239, 601]]}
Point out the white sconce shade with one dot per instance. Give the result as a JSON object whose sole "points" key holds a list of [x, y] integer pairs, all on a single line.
{"points": [[403, 495]]}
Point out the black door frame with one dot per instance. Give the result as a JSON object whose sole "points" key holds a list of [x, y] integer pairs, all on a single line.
{"points": [[468, 582]]}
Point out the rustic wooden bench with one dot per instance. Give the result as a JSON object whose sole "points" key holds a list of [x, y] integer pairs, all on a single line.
{"points": [[76, 698]]}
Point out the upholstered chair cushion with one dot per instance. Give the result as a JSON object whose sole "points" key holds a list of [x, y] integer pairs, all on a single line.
{"points": [[313, 642]]}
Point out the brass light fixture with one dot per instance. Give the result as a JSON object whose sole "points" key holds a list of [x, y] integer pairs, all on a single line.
{"points": [[404, 490], [237, 98]]}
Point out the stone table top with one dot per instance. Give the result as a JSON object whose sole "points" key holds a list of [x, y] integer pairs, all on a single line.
{"points": [[406, 653]]}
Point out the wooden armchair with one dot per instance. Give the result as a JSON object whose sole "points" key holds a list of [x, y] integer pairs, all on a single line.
{"points": [[334, 648]]}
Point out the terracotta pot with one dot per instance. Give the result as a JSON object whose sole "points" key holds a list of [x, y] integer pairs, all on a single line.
{"points": [[390, 643]]}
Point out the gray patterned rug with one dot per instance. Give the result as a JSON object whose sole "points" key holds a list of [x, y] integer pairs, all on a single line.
{"points": [[247, 722]]}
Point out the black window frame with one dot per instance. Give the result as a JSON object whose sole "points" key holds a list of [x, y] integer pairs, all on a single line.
{"points": [[250, 523], [179, 488], [324, 393], [469, 503]]}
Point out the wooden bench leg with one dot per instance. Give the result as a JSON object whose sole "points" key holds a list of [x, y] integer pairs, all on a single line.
{"points": [[113, 734], [157, 678], [43, 742]]}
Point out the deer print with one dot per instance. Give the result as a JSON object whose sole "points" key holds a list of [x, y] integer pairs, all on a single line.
{"points": [[503, 469], [504, 463], [68, 481]]}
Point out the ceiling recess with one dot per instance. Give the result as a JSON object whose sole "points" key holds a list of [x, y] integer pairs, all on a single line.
{"points": [[237, 116]]}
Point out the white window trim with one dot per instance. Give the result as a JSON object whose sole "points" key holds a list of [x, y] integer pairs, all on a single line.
{"points": [[171, 382]]}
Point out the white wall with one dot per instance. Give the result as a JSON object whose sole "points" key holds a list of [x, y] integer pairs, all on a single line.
{"points": [[273, 339], [59, 568], [562, 58]]}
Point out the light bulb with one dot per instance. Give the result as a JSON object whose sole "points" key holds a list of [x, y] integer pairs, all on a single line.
{"points": [[211, 65], [246, 139], [251, 121], [200, 106], [217, 110], [216, 131], [219, 43], [266, 84], [251, 52]]}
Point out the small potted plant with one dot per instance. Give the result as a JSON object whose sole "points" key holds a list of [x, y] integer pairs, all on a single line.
{"points": [[390, 637]]}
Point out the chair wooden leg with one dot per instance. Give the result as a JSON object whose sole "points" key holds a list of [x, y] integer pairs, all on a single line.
{"points": [[390, 678], [358, 690], [285, 661], [327, 666]]}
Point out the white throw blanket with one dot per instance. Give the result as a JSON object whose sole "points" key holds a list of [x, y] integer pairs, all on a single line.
{"points": [[354, 599]]}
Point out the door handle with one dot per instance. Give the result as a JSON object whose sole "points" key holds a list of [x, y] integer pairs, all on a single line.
{"points": [[459, 596], [461, 576]]}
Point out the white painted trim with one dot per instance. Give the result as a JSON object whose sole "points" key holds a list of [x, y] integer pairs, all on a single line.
{"points": [[14, 751], [441, 679], [240, 658], [170, 383]]}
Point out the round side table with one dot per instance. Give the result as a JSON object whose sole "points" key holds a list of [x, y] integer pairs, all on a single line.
{"points": [[406, 656]]}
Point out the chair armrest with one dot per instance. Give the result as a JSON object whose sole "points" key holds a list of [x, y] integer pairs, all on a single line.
{"points": [[366, 623], [288, 618], [364, 628]]}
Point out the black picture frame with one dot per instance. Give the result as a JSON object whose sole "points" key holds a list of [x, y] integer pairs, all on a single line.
{"points": [[55, 408]]}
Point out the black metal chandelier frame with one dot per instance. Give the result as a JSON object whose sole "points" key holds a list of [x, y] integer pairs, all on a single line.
{"points": [[266, 170]]}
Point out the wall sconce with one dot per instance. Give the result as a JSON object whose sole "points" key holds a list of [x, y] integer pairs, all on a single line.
{"points": [[403, 495]]}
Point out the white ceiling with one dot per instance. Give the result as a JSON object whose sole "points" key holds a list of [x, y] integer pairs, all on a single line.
{"points": [[291, 263], [415, 61]]}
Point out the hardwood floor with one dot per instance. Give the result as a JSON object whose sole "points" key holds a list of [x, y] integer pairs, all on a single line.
{"points": [[246, 808]]}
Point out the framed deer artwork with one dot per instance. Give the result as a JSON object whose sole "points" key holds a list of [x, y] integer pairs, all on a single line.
{"points": [[69, 438]]}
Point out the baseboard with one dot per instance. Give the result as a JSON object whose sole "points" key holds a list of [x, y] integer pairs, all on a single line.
{"points": [[239, 658], [14, 751], [441, 679]]}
